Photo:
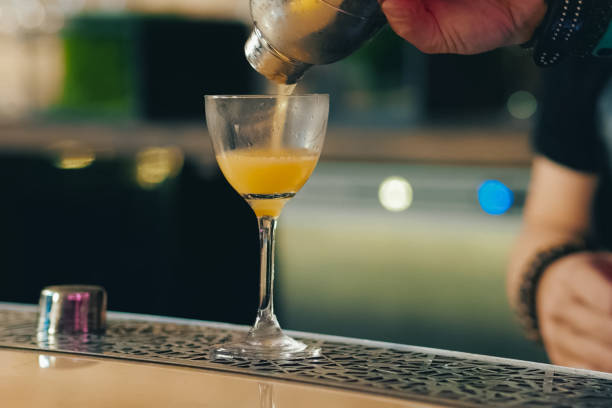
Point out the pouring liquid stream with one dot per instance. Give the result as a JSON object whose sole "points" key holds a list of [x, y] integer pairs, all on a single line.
{"points": [[280, 114]]}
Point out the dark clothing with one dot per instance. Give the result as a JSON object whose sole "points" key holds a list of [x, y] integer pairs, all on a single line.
{"points": [[574, 128]]}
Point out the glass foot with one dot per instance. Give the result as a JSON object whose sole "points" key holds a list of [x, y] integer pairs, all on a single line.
{"points": [[266, 341], [291, 350]]}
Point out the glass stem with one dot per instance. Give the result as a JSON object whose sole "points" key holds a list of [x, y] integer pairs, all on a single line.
{"points": [[266, 333], [265, 313]]}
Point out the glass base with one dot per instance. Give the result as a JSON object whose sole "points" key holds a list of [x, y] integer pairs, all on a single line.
{"points": [[295, 351], [266, 341]]}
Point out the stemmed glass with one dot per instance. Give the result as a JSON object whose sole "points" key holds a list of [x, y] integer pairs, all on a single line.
{"points": [[267, 146]]}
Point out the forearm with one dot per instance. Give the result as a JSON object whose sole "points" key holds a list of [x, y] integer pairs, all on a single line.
{"points": [[557, 211]]}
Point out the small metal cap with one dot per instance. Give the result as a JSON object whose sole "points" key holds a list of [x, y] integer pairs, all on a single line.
{"points": [[271, 63], [72, 309]]}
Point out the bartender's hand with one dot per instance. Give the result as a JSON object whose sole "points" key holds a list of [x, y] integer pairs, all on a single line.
{"points": [[464, 26], [574, 305]]}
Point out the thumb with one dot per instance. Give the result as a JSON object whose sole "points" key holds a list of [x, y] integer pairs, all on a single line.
{"points": [[412, 21]]}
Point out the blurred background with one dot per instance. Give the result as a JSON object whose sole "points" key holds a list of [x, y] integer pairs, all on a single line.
{"points": [[402, 233]]}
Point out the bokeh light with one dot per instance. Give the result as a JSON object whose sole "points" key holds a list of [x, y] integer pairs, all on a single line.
{"points": [[155, 164], [31, 14], [495, 197], [395, 194], [73, 155], [38, 16], [522, 104]]}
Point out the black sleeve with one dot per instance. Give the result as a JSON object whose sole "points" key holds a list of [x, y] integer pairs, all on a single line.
{"points": [[567, 128]]}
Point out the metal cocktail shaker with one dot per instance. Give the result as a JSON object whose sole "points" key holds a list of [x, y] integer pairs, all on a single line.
{"points": [[290, 36]]}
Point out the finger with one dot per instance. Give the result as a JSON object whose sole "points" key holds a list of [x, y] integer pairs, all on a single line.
{"points": [[579, 347], [591, 286], [551, 330], [587, 321], [559, 357], [412, 21]]}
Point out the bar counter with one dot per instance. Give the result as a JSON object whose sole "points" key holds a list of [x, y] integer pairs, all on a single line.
{"points": [[145, 360]]}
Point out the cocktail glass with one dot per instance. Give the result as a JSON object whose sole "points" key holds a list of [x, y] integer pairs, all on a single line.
{"points": [[267, 146]]}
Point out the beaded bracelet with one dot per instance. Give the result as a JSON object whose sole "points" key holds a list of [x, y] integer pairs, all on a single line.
{"points": [[526, 309], [573, 28]]}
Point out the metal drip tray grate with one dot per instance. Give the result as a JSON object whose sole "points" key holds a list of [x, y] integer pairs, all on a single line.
{"points": [[446, 378]]}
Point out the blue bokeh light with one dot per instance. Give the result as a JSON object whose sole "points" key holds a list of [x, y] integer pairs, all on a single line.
{"points": [[495, 197]]}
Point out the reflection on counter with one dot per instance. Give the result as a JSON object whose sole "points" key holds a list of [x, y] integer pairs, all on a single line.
{"points": [[75, 382], [266, 395], [60, 362]]}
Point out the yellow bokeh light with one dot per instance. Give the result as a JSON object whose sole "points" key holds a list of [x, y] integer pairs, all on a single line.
{"points": [[395, 194], [72, 155], [156, 164]]}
